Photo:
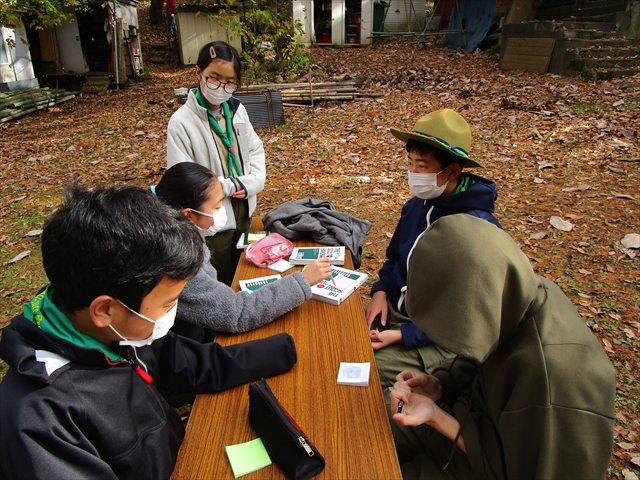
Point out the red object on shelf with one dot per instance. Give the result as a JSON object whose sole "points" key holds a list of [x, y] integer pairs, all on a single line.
{"points": [[324, 38]]}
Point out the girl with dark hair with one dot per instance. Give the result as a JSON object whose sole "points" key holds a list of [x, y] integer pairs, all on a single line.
{"points": [[205, 302], [213, 129]]}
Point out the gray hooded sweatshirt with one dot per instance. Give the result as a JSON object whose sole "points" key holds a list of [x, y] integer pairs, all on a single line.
{"points": [[532, 387], [209, 303]]}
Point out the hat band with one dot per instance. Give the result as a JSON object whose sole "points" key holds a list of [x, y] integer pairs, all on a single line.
{"points": [[459, 150]]}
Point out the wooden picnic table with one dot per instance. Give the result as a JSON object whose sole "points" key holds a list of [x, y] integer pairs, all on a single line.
{"points": [[348, 425]]}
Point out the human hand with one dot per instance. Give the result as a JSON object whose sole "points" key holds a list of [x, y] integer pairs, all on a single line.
{"points": [[240, 192], [377, 306], [384, 339], [317, 271], [420, 383], [418, 408], [416, 411]]}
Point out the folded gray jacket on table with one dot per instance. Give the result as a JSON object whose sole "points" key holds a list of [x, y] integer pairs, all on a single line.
{"points": [[319, 220]]}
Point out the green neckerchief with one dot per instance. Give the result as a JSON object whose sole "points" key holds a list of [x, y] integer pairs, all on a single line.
{"points": [[48, 318], [227, 138], [465, 183]]}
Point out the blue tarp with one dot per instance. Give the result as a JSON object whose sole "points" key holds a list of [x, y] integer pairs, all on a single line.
{"points": [[474, 16]]}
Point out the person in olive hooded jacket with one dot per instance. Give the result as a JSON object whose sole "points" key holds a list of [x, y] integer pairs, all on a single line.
{"points": [[531, 392]]}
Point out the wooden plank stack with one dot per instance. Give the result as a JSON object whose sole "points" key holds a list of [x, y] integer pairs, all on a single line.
{"points": [[295, 94], [23, 102]]}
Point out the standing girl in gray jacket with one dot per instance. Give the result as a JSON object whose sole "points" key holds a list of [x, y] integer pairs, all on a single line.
{"points": [[205, 302], [213, 129]]}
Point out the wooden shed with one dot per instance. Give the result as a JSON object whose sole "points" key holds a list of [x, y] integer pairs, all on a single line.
{"points": [[197, 25], [103, 42], [352, 22]]}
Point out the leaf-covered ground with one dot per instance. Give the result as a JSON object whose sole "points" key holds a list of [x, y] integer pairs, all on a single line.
{"points": [[556, 147]]}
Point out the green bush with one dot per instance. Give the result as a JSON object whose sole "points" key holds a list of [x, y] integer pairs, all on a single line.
{"points": [[269, 35]]}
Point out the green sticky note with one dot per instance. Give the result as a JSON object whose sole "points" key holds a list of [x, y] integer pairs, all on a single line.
{"points": [[247, 457]]}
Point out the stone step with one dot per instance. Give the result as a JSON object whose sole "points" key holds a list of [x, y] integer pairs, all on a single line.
{"points": [[589, 43], [609, 17], [580, 25], [96, 84], [601, 75], [591, 34], [603, 52], [612, 63]]}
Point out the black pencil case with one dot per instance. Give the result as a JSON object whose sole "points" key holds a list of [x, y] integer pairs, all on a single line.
{"points": [[284, 440]]}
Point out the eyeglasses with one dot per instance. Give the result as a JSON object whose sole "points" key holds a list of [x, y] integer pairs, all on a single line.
{"points": [[214, 84], [458, 150]]}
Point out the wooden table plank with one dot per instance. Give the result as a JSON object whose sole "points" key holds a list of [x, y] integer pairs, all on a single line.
{"points": [[347, 424]]}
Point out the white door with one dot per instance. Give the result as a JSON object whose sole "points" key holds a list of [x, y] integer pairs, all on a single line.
{"points": [[337, 21], [68, 35], [366, 22], [303, 13]]}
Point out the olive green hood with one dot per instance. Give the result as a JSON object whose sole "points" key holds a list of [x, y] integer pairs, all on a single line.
{"points": [[468, 285]]}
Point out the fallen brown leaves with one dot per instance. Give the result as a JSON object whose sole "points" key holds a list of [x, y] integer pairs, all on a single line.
{"points": [[556, 147]]}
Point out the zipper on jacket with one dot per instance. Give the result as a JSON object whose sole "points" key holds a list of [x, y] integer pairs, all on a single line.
{"points": [[148, 379], [139, 371]]}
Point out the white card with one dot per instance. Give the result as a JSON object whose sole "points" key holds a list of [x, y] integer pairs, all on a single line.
{"points": [[280, 266], [356, 374]]}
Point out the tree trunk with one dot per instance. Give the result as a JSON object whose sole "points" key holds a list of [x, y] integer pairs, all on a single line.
{"points": [[156, 16]]}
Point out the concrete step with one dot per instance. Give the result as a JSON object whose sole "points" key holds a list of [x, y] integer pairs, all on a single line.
{"points": [[604, 52], [590, 43], [601, 75], [607, 17], [96, 84], [612, 63], [591, 34], [579, 25]]}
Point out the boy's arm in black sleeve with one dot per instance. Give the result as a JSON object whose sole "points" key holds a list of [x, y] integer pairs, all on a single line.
{"points": [[187, 366]]}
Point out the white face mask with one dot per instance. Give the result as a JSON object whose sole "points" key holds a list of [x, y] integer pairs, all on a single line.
{"points": [[161, 327], [217, 96], [219, 221], [425, 185]]}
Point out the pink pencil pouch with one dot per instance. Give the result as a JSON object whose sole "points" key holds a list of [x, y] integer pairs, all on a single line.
{"points": [[268, 250]]}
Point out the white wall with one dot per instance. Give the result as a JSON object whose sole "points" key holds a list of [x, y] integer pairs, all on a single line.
{"points": [[401, 13], [366, 21], [195, 31], [71, 57], [303, 12], [128, 13], [18, 71]]}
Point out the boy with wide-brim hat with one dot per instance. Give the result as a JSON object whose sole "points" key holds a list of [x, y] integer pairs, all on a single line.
{"points": [[438, 150]]}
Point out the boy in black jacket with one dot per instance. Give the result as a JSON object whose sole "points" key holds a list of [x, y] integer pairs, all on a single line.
{"points": [[91, 350]]}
